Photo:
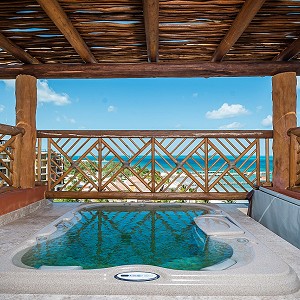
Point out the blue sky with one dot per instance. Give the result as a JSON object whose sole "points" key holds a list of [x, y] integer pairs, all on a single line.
{"points": [[165, 103]]}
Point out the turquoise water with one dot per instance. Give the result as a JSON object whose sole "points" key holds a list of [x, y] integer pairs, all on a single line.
{"points": [[233, 180], [193, 164], [107, 237]]}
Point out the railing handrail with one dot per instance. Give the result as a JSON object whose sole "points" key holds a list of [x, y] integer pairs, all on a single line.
{"points": [[155, 133], [294, 131], [11, 130]]}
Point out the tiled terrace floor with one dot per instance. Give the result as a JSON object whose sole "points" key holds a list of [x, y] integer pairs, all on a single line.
{"points": [[17, 231]]}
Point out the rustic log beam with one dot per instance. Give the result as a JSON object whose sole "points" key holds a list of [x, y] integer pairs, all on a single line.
{"points": [[58, 16], [284, 117], [155, 133], [143, 196], [241, 22], [26, 102], [151, 14], [146, 70], [289, 52], [16, 51], [11, 130]]}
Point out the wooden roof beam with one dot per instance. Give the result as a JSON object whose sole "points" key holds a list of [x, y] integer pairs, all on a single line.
{"points": [[147, 70], [58, 16], [16, 51], [289, 52], [151, 14], [241, 22]]}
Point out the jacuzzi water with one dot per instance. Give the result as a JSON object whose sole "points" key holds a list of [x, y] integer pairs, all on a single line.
{"points": [[107, 236]]}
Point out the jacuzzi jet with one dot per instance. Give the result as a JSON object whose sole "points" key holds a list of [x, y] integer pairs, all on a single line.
{"points": [[242, 240], [136, 276], [40, 239]]}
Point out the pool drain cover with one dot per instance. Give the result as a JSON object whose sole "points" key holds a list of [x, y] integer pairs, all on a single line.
{"points": [[136, 276]]}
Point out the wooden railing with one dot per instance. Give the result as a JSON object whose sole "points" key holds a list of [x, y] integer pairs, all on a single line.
{"points": [[294, 134], [8, 135], [154, 164]]}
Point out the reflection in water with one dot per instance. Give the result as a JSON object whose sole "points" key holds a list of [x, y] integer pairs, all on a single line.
{"points": [[165, 237]]}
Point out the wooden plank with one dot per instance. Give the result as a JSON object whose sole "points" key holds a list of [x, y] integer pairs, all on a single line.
{"points": [[295, 131], [58, 16], [26, 102], [284, 117], [16, 51], [155, 133], [293, 161], [267, 156], [241, 22], [296, 189], [151, 14], [153, 164], [49, 167], [11, 130], [144, 196], [39, 159], [289, 52], [146, 70]]}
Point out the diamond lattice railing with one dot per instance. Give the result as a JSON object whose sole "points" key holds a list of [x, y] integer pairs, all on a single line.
{"points": [[6, 159], [233, 164], [181, 164], [127, 163]]}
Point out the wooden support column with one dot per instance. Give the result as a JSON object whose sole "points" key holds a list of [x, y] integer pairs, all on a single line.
{"points": [[26, 102], [284, 118]]}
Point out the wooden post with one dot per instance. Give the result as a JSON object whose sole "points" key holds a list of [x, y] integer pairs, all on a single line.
{"points": [[26, 101], [284, 118], [293, 160]]}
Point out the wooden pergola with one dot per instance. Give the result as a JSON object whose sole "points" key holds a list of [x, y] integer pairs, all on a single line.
{"points": [[151, 38]]}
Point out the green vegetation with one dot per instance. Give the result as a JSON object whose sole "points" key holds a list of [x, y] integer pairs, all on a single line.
{"points": [[109, 170]]}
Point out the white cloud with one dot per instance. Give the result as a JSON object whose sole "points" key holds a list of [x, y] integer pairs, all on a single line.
{"points": [[234, 125], [45, 93], [65, 119], [2, 107], [69, 120], [267, 122], [227, 111], [48, 95], [258, 108], [9, 83], [298, 82], [111, 108]]}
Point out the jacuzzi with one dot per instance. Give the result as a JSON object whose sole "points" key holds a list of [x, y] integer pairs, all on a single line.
{"points": [[244, 267]]}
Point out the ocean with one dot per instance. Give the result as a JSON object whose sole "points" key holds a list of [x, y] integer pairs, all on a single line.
{"points": [[230, 181], [192, 164]]}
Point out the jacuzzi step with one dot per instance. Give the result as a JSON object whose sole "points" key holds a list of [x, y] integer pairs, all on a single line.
{"points": [[213, 225]]}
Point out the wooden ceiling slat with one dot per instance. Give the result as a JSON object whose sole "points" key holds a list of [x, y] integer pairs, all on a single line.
{"points": [[289, 52], [243, 19], [58, 16], [189, 31], [16, 51], [151, 14]]}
